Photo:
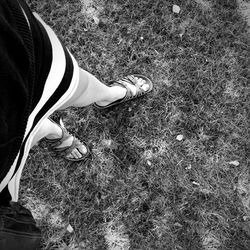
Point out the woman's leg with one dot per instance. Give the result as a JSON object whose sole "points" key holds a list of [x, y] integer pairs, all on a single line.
{"points": [[91, 90]]}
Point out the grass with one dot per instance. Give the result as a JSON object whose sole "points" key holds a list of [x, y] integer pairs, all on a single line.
{"points": [[143, 188]]}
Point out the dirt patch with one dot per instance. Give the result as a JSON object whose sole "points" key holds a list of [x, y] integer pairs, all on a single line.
{"points": [[204, 5], [91, 10], [244, 8], [243, 189], [116, 237]]}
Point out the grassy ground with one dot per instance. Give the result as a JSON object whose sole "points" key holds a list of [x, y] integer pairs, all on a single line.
{"points": [[170, 170]]}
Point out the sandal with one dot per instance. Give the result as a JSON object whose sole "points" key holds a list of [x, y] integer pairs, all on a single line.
{"points": [[54, 143], [125, 82]]}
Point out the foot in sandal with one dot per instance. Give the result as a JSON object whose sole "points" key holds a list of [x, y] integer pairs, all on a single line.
{"points": [[68, 145], [132, 86]]}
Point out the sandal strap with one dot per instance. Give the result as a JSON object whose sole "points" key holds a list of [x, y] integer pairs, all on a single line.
{"points": [[75, 145], [60, 141], [126, 82], [54, 143]]}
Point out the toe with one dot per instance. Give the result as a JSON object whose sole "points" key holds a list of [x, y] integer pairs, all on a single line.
{"points": [[140, 81], [76, 154], [83, 149], [145, 87]]}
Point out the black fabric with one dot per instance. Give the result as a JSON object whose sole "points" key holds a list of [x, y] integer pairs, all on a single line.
{"points": [[42, 53], [5, 197], [15, 85], [25, 60], [18, 229]]}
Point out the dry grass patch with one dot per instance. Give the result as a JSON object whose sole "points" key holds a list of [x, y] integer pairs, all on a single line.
{"points": [[116, 237], [205, 5], [210, 241]]}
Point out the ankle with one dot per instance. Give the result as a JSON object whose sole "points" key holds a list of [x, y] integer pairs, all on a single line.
{"points": [[116, 93], [55, 133]]}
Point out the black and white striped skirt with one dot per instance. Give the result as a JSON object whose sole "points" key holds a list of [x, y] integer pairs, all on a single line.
{"points": [[60, 85]]}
